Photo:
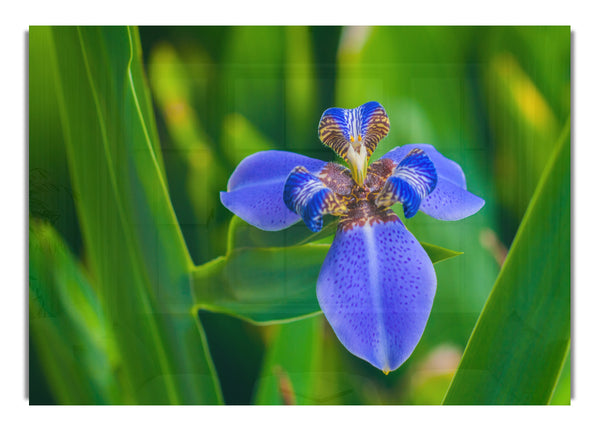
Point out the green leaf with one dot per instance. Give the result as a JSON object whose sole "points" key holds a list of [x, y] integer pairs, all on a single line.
{"points": [[266, 285], [132, 239], [242, 234], [172, 88], [274, 89], [518, 347], [67, 323], [288, 375], [439, 254], [562, 391], [261, 285]]}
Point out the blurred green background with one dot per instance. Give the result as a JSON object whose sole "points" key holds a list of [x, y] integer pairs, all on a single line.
{"points": [[133, 133]]}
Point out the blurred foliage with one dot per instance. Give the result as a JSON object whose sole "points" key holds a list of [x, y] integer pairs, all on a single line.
{"points": [[133, 133]]}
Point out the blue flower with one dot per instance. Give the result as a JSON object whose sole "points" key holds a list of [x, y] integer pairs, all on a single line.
{"points": [[377, 284]]}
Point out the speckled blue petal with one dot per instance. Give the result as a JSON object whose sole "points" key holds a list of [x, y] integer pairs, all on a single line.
{"points": [[308, 197], [450, 200], [412, 180], [255, 189], [376, 289]]}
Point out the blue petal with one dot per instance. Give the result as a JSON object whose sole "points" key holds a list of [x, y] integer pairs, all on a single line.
{"points": [[376, 289], [307, 196], [255, 189], [363, 126], [445, 168], [412, 180], [450, 200]]}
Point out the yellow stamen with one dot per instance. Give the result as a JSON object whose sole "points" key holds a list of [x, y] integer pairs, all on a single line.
{"points": [[358, 161], [351, 138], [359, 138]]}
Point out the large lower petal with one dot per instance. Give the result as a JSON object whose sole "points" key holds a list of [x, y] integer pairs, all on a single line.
{"points": [[376, 289], [450, 200], [255, 189]]}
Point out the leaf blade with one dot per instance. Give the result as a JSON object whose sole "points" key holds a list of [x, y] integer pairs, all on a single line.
{"points": [[132, 239], [531, 298]]}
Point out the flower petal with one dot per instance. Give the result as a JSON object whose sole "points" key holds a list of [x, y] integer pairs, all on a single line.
{"points": [[364, 126], [445, 168], [411, 181], [255, 189], [376, 289], [450, 200], [308, 196]]}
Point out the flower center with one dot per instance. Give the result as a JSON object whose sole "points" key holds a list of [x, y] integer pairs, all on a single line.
{"points": [[360, 198]]}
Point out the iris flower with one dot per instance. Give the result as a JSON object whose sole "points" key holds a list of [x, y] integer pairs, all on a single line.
{"points": [[377, 283]]}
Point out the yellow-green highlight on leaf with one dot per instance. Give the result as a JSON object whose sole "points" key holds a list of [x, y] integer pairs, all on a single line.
{"points": [[518, 347], [242, 138], [173, 89], [562, 390]]}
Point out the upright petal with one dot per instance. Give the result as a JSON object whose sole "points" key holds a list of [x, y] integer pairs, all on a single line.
{"points": [[255, 189], [450, 200], [308, 197], [411, 181], [376, 289], [354, 133]]}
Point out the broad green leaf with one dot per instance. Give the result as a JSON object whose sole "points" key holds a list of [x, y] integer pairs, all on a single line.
{"points": [[51, 196], [270, 284], [261, 285], [67, 323], [242, 234], [132, 239], [517, 349]]}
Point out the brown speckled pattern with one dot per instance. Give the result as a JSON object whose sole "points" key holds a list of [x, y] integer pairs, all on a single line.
{"points": [[360, 200]]}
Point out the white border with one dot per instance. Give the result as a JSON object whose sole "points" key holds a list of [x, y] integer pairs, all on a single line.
{"points": [[585, 78]]}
